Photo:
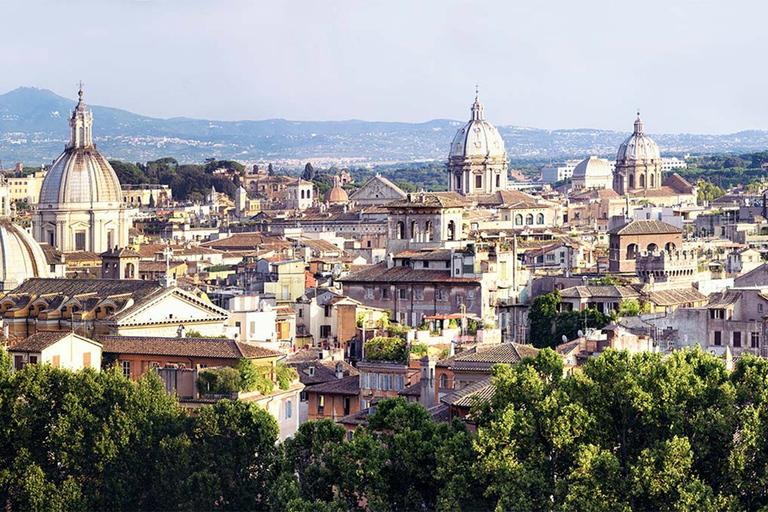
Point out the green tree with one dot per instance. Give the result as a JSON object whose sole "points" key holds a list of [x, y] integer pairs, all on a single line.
{"points": [[309, 173], [541, 317]]}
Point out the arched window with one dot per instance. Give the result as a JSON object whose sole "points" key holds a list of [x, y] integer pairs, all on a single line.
{"points": [[451, 230], [642, 181], [129, 271], [631, 181], [540, 218], [428, 231], [670, 247], [414, 230], [443, 381], [653, 181], [631, 251], [529, 219], [400, 230], [652, 248], [518, 220], [458, 182], [498, 181]]}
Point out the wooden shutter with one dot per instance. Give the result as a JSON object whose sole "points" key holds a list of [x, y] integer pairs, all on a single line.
{"points": [[86, 360]]}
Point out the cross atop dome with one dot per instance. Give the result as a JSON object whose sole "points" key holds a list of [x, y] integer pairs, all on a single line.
{"points": [[638, 123], [477, 107]]}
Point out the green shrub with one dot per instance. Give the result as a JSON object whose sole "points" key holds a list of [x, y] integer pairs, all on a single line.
{"points": [[382, 348], [218, 381], [255, 377]]}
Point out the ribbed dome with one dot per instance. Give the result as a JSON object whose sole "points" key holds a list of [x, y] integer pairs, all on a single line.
{"points": [[478, 138], [21, 258], [80, 174], [639, 146], [337, 195], [592, 167]]}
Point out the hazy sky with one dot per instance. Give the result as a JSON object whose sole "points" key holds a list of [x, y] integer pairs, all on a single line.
{"points": [[690, 66]]}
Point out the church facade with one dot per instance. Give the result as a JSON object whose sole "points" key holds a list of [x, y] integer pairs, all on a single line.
{"points": [[80, 207]]}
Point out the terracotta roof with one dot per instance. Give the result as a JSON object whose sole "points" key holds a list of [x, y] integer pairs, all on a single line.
{"points": [[502, 353], [426, 255], [645, 227], [404, 274], [477, 392], [39, 341], [440, 413], [414, 389], [678, 183], [125, 252], [356, 418], [345, 386], [675, 296], [723, 300], [245, 242], [81, 256], [585, 292], [426, 200], [184, 347]]}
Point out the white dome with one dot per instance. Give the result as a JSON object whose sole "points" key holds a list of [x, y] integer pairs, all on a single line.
{"points": [[592, 167], [21, 258], [478, 138], [81, 175], [639, 147]]}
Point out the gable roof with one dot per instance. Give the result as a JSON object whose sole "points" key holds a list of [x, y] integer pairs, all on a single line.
{"points": [[42, 340], [477, 392], [645, 227], [360, 192], [404, 274], [678, 184], [184, 347], [346, 386], [758, 276], [426, 200], [482, 360]]}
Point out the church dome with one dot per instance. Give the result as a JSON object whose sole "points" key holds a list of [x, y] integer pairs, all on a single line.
{"points": [[337, 195], [592, 167], [638, 147], [478, 138], [21, 258], [80, 175]]}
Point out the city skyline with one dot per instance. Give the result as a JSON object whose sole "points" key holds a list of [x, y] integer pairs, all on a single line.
{"points": [[560, 65]]}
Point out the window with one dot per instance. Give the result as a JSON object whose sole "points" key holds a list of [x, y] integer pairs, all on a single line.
{"points": [[347, 404], [478, 181], [385, 293], [369, 292], [716, 314], [759, 308], [288, 409], [529, 219], [718, 338], [18, 362], [349, 435], [540, 218], [86, 360], [518, 220], [311, 371], [498, 181], [56, 362], [444, 381], [327, 311], [320, 404], [471, 294], [451, 230], [736, 339], [425, 264], [126, 369], [403, 293], [400, 230], [440, 294], [755, 340], [325, 331], [79, 240], [32, 359], [419, 293]]}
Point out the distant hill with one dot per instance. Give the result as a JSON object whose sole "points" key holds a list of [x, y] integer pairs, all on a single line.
{"points": [[33, 129]]}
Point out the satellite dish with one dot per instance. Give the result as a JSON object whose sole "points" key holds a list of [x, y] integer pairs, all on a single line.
{"points": [[565, 338], [580, 333]]}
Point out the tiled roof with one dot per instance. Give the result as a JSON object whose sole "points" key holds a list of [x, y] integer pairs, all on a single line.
{"points": [[318, 371], [356, 418], [39, 341], [678, 184], [245, 242], [676, 296], [404, 274], [502, 353], [585, 292], [477, 392], [440, 413], [426, 200], [414, 389], [76, 257], [184, 347], [723, 300], [345, 386], [426, 255], [645, 227]]}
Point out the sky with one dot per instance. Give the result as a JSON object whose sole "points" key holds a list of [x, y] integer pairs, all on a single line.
{"points": [[689, 66]]}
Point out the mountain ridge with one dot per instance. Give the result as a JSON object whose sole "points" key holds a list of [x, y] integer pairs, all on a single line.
{"points": [[33, 128]]}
